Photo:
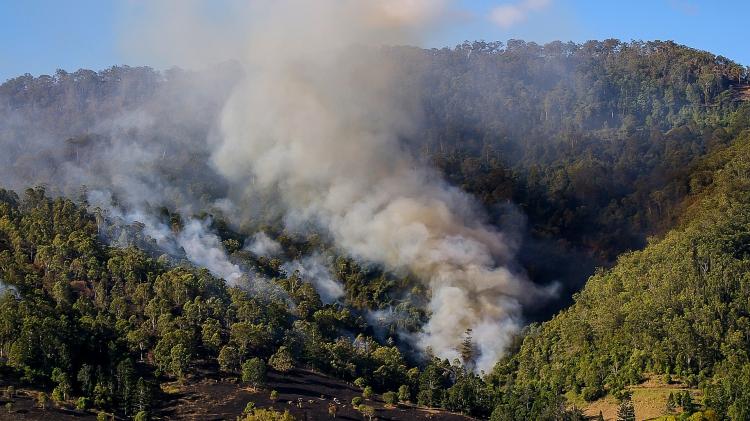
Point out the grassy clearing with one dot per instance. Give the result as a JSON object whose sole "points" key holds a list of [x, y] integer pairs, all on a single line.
{"points": [[649, 400]]}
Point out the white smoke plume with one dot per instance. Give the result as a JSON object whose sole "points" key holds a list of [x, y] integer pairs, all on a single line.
{"points": [[320, 122], [317, 117], [314, 269], [204, 249], [199, 245], [263, 245]]}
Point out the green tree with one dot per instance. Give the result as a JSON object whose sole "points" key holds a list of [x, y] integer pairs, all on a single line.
{"points": [[390, 398], [404, 394], [180, 360], [229, 359], [254, 372], [367, 411], [42, 400], [282, 360]]}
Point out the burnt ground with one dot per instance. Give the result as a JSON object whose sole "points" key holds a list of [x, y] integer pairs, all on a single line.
{"points": [[211, 398], [24, 403], [206, 396], [24, 407]]}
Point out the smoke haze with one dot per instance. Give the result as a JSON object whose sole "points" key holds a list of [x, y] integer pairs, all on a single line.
{"points": [[314, 114], [321, 122]]}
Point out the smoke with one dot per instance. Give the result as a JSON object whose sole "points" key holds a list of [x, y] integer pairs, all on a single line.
{"points": [[314, 269], [205, 249], [8, 289], [194, 241], [316, 118], [263, 245], [507, 15], [321, 122]]}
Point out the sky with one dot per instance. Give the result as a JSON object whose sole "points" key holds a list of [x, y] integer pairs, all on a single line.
{"points": [[40, 36]]}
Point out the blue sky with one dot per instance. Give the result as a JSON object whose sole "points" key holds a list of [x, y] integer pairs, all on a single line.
{"points": [[39, 36]]}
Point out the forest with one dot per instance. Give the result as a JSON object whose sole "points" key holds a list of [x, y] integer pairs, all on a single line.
{"points": [[620, 170]]}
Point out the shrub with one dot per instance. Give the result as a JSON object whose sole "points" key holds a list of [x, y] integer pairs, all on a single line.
{"points": [[83, 403], [357, 401], [591, 393], [390, 398], [282, 360], [404, 394]]}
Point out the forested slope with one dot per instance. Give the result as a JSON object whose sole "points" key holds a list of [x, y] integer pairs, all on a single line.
{"points": [[677, 307], [596, 146]]}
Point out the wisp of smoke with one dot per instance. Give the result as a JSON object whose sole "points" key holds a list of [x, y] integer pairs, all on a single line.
{"points": [[314, 269], [263, 245]]}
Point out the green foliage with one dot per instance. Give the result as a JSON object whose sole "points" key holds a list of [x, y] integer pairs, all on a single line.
{"points": [[367, 392], [259, 414], [356, 401], [404, 394], [254, 372], [367, 411], [131, 317], [282, 360], [677, 306], [598, 143], [42, 400], [83, 403], [390, 397]]}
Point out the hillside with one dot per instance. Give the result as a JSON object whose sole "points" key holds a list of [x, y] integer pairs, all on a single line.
{"points": [[572, 148], [677, 307], [140, 278]]}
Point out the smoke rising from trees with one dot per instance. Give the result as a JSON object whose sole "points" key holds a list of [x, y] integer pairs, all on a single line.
{"points": [[320, 122], [314, 112]]}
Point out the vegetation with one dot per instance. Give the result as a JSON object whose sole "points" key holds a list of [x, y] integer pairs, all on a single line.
{"points": [[600, 145], [678, 306]]}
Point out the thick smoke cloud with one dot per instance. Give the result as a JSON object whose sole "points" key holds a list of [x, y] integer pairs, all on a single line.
{"points": [[321, 122], [316, 114]]}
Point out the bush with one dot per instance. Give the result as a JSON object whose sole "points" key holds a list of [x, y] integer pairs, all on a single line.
{"points": [[282, 360], [42, 400], [141, 416], [591, 393], [83, 403], [404, 394], [249, 408], [360, 382], [254, 372], [367, 393], [390, 398], [101, 416], [357, 401]]}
